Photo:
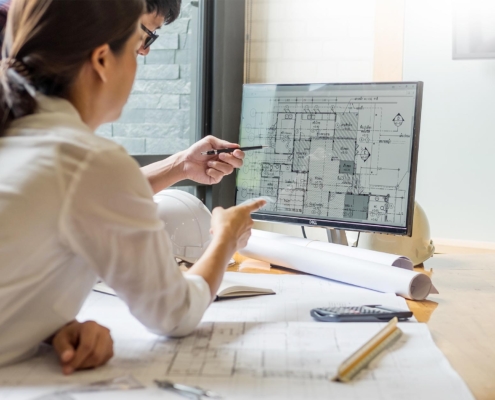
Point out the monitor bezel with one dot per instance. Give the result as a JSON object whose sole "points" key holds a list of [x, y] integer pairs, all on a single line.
{"points": [[359, 226]]}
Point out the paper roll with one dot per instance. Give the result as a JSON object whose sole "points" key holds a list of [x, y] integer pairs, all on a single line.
{"points": [[354, 252], [366, 274]]}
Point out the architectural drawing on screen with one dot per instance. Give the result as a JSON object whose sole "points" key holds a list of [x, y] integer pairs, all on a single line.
{"points": [[339, 157]]}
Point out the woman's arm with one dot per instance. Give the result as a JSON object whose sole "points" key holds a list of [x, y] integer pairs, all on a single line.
{"points": [[111, 222]]}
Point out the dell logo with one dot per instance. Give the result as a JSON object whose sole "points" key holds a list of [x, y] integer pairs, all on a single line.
{"points": [[313, 222]]}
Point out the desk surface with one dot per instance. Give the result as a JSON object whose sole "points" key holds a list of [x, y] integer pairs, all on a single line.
{"points": [[461, 318]]}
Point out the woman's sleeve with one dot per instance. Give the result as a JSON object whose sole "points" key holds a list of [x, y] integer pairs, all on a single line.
{"points": [[110, 220]]}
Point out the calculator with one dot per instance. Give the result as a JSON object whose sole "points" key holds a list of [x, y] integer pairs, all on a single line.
{"points": [[370, 313]]}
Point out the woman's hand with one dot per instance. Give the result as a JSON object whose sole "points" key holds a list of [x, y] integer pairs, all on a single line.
{"points": [[235, 223], [82, 345], [211, 169], [231, 229]]}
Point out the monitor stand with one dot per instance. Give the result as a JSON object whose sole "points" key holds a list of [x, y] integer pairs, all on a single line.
{"points": [[337, 236]]}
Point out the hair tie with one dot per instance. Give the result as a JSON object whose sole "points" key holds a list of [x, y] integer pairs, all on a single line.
{"points": [[18, 72]]}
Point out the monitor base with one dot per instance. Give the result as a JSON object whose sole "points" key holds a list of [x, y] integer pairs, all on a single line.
{"points": [[337, 236]]}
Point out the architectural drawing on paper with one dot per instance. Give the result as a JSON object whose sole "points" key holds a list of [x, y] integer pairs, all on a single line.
{"points": [[250, 349], [341, 157], [281, 357]]}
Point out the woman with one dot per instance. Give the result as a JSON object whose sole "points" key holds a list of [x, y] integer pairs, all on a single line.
{"points": [[75, 206], [4, 9]]}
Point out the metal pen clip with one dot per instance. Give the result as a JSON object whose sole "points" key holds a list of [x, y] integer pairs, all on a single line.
{"points": [[186, 390]]}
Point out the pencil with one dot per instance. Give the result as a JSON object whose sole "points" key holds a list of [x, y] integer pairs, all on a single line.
{"points": [[213, 152]]}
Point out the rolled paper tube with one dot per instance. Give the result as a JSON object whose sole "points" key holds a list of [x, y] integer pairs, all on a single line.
{"points": [[366, 274], [363, 254]]}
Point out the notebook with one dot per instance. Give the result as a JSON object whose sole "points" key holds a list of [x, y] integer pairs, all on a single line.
{"points": [[228, 289]]}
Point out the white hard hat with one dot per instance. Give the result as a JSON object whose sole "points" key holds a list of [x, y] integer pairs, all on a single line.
{"points": [[187, 221], [419, 247]]}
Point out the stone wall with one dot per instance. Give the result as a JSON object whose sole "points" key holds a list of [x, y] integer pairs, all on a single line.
{"points": [[156, 118]]}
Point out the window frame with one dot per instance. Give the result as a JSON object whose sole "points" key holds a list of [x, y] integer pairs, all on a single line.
{"points": [[216, 97]]}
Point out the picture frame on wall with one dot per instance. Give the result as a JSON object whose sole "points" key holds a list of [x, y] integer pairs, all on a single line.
{"points": [[473, 30]]}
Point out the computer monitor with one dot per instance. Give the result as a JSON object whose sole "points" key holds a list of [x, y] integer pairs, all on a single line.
{"points": [[341, 155]]}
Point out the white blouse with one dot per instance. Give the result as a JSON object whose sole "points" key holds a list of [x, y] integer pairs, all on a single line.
{"points": [[74, 207]]}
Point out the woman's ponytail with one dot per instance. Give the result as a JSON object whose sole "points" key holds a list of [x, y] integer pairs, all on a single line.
{"points": [[48, 41], [17, 95]]}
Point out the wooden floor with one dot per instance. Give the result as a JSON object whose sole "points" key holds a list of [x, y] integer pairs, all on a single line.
{"points": [[462, 320]]}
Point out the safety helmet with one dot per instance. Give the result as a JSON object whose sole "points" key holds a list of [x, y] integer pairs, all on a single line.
{"points": [[419, 247], [187, 221]]}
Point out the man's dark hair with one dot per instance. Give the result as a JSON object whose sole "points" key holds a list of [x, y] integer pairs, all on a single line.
{"points": [[170, 9]]}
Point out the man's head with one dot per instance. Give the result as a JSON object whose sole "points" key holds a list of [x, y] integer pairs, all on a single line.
{"points": [[158, 13]]}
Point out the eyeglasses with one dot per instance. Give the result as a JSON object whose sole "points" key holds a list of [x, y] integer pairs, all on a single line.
{"points": [[152, 36]]}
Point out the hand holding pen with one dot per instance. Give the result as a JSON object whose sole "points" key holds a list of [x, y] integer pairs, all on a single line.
{"points": [[209, 170]]}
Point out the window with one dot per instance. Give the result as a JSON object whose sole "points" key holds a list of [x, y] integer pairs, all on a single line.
{"points": [[157, 119], [187, 87]]}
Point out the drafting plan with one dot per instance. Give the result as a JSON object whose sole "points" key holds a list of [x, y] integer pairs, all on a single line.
{"points": [[292, 302], [277, 358], [340, 152]]}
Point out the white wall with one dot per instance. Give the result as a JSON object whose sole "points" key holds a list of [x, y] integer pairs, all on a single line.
{"points": [[457, 152], [311, 41]]}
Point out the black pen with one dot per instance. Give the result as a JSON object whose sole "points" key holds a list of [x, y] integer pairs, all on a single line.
{"points": [[213, 152]]}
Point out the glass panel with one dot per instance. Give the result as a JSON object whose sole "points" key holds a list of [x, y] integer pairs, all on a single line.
{"points": [[158, 114]]}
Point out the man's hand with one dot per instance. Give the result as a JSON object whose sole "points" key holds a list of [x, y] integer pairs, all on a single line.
{"points": [[82, 345], [211, 169]]}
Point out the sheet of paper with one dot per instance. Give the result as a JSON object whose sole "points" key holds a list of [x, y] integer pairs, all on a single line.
{"points": [[295, 296], [265, 347], [246, 360]]}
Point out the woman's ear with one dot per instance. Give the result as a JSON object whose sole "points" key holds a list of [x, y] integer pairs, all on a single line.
{"points": [[101, 62]]}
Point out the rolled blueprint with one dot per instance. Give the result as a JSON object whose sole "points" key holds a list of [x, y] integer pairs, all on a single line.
{"points": [[354, 252], [366, 274]]}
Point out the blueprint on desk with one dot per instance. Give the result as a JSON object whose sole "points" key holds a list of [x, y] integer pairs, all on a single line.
{"points": [[333, 153], [234, 352]]}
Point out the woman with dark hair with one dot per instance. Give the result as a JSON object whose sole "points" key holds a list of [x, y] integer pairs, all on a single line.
{"points": [[4, 10], [75, 206]]}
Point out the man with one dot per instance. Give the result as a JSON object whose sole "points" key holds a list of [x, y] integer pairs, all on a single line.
{"points": [[158, 13], [188, 164]]}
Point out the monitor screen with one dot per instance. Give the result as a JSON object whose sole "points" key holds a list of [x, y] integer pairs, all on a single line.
{"points": [[337, 155]]}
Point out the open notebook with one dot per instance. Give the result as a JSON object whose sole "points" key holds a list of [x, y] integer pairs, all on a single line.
{"points": [[234, 289], [228, 289]]}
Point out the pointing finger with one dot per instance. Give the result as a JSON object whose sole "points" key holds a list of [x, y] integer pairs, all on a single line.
{"points": [[254, 205]]}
